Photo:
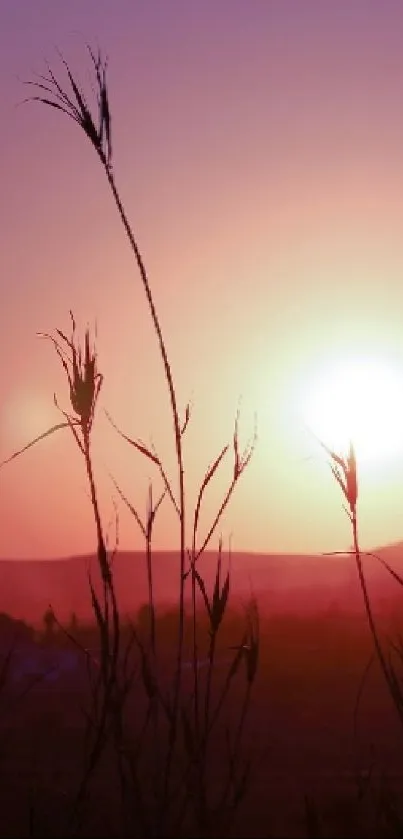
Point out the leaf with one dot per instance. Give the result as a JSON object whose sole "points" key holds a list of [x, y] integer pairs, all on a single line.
{"points": [[97, 609], [202, 588], [210, 472], [129, 505], [36, 440], [186, 420], [236, 660], [139, 445], [225, 592], [339, 480], [206, 480], [48, 102], [220, 597], [394, 574]]}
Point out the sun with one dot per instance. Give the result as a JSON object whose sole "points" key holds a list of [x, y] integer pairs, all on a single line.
{"points": [[358, 399], [27, 414]]}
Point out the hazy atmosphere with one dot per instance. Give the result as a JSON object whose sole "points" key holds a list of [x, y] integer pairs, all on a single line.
{"points": [[258, 150], [201, 419]]}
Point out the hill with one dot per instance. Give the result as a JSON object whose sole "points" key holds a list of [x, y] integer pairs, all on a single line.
{"points": [[282, 582]]}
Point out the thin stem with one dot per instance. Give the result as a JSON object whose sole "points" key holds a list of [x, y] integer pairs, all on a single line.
{"points": [[207, 700], [370, 617], [195, 646], [218, 515], [109, 663], [179, 455], [150, 581]]}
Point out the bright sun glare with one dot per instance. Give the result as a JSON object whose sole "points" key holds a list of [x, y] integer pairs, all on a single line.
{"points": [[361, 400]]}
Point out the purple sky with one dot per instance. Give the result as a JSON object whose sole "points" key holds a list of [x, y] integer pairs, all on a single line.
{"points": [[259, 151]]}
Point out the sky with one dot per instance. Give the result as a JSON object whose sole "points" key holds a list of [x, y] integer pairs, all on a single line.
{"points": [[258, 148]]}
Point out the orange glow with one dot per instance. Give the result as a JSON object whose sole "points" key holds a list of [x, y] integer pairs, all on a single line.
{"points": [[259, 158], [359, 400]]}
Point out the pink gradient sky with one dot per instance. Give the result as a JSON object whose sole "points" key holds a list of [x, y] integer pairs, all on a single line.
{"points": [[259, 150]]}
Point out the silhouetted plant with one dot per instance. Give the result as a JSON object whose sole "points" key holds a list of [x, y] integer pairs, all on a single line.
{"points": [[49, 621], [344, 470], [164, 763]]}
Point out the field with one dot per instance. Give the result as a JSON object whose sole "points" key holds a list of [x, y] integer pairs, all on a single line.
{"points": [[300, 736]]}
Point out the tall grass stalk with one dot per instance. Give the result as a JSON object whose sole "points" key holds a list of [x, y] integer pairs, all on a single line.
{"points": [[85, 382], [182, 796], [99, 132], [344, 470]]}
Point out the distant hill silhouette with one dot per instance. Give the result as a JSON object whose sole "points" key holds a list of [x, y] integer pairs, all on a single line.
{"points": [[284, 582]]}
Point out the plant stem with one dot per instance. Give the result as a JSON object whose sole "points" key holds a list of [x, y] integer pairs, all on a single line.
{"points": [[179, 456], [370, 617]]}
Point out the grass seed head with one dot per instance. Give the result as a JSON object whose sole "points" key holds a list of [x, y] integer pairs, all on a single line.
{"points": [[73, 103], [220, 595], [82, 373], [351, 478], [345, 473]]}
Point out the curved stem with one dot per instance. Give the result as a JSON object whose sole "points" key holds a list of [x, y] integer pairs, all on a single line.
{"points": [[179, 455], [370, 617], [108, 662]]}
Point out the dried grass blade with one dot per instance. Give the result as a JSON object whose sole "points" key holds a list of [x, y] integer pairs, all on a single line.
{"points": [[136, 443], [202, 588], [36, 440], [129, 505]]}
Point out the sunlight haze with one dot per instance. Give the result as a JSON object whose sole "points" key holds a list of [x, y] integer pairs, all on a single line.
{"points": [[258, 148]]}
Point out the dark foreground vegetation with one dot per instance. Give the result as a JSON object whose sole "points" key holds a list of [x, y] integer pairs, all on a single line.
{"points": [[205, 721], [322, 739]]}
